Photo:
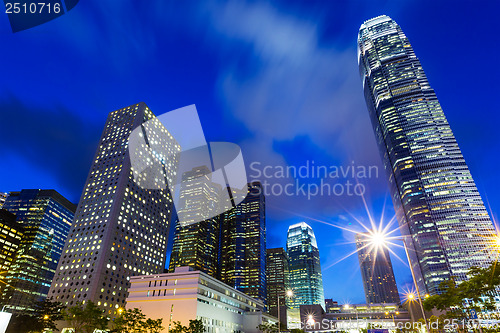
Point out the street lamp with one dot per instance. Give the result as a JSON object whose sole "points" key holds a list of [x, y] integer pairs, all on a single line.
{"points": [[379, 239]]}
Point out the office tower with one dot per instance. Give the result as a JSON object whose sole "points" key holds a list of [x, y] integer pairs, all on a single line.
{"points": [[120, 228], [196, 244], [3, 197], [304, 267], [376, 270], [277, 280], [243, 244], [46, 217], [11, 233], [438, 207]]}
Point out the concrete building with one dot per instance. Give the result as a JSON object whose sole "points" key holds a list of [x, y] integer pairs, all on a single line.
{"points": [[354, 317], [277, 282], [122, 222], [187, 294]]}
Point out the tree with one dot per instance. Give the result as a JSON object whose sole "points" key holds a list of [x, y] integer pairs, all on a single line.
{"points": [[85, 319], [130, 321], [297, 330], [154, 326], [45, 314], [268, 328], [134, 321], [195, 326]]}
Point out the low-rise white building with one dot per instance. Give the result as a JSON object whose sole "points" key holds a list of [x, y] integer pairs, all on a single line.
{"points": [[187, 294]]}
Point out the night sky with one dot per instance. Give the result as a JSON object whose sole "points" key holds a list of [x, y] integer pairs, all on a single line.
{"points": [[278, 78]]}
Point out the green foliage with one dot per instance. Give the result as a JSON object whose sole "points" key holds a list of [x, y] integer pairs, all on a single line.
{"points": [[268, 328], [195, 326], [134, 321], [479, 288], [85, 319], [45, 314], [297, 330]]}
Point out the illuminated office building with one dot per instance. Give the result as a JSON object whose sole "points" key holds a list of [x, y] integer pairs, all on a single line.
{"points": [[377, 273], [438, 206], [304, 267], [3, 197], [45, 217], [277, 280], [11, 233], [196, 244], [120, 228], [243, 244]]}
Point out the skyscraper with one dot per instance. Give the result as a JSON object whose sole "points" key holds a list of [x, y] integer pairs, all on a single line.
{"points": [[11, 233], [438, 207], [243, 244], [197, 244], [46, 217], [304, 267], [120, 228], [377, 273], [3, 197], [277, 280]]}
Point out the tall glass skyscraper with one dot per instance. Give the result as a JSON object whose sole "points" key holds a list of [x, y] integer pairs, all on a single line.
{"points": [[120, 228], [376, 270], [438, 206], [46, 218], [196, 244], [243, 244], [304, 267], [277, 281]]}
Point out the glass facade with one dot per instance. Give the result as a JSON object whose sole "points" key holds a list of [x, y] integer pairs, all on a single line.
{"points": [[11, 233], [197, 244], [120, 228], [438, 207], [304, 267], [46, 218], [243, 244], [277, 279], [377, 273]]}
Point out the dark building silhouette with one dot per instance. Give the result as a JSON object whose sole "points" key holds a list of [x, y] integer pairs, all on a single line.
{"points": [[440, 212], [11, 233], [196, 244], [243, 244], [277, 281], [46, 218], [377, 273]]}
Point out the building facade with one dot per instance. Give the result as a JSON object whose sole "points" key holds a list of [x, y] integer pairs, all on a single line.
{"points": [[196, 244], [305, 278], [243, 244], [277, 281], [377, 273], [11, 233], [186, 294], [120, 227], [3, 197], [440, 212], [46, 218]]}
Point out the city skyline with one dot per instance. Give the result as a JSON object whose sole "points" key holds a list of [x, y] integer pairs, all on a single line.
{"points": [[61, 131]]}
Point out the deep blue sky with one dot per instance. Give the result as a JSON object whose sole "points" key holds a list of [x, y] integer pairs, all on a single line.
{"points": [[278, 78]]}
